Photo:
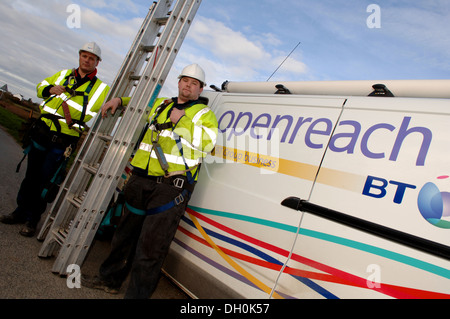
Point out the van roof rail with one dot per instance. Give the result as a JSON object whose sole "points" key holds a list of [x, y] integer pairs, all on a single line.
{"points": [[397, 88]]}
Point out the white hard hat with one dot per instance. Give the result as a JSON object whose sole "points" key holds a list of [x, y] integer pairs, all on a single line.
{"points": [[194, 71], [93, 48]]}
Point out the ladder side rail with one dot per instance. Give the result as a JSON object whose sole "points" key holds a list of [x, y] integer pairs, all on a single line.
{"points": [[143, 104], [147, 32], [117, 140], [128, 61], [101, 183], [123, 140], [130, 123], [145, 38], [72, 190], [122, 135], [84, 155], [80, 249], [80, 218], [150, 28], [121, 77], [62, 211], [69, 182], [66, 186], [166, 43], [59, 223], [177, 38]]}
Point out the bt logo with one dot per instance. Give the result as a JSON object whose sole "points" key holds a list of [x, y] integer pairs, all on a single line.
{"points": [[376, 187], [433, 204]]}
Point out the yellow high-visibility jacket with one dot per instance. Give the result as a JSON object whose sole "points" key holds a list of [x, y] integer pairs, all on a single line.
{"points": [[53, 104], [197, 131]]}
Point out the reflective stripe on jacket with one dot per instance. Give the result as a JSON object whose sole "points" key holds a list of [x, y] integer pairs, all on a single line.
{"points": [[53, 104], [197, 131]]}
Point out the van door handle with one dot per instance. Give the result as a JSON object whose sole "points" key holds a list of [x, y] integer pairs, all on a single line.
{"points": [[397, 236]]}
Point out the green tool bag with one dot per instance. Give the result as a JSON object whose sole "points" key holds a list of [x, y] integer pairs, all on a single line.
{"points": [[51, 188]]}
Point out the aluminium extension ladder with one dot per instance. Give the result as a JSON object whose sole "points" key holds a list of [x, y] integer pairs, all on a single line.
{"points": [[84, 196]]}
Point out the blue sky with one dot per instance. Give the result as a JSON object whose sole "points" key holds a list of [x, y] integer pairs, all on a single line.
{"points": [[236, 40]]}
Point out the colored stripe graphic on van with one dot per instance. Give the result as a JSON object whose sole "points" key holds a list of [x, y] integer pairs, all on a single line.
{"points": [[230, 261], [331, 177], [266, 261], [443, 272], [331, 274]]}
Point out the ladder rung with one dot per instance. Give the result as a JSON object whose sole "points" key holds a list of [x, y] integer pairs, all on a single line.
{"points": [[148, 48], [75, 201], [161, 21], [60, 235], [90, 169], [104, 137]]}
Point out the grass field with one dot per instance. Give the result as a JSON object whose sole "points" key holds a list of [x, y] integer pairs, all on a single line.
{"points": [[11, 122], [13, 125]]}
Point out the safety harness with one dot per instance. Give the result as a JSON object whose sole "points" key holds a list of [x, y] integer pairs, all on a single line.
{"points": [[71, 80], [170, 177]]}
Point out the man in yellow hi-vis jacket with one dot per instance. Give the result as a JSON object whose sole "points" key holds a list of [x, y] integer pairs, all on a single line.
{"points": [[182, 131], [71, 99]]}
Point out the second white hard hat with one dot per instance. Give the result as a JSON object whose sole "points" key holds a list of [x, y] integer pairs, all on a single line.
{"points": [[93, 48], [194, 71]]}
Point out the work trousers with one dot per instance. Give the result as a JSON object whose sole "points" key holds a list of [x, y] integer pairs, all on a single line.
{"points": [[42, 165], [141, 242]]}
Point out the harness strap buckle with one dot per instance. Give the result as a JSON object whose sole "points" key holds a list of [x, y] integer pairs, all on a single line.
{"points": [[179, 199], [178, 182]]}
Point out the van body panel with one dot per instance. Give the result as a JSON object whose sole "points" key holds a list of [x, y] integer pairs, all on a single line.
{"points": [[367, 157], [402, 145], [396, 147]]}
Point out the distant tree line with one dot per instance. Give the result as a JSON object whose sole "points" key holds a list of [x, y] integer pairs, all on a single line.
{"points": [[9, 98]]}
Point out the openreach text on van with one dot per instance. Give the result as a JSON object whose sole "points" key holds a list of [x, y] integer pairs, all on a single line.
{"points": [[235, 125]]}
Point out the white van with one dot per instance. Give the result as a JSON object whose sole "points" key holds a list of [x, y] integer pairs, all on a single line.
{"points": [[322, 193]]}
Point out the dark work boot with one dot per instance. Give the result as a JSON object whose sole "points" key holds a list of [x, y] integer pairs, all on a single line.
{"points": [[12, 219], [95, 282], [28, 229]]}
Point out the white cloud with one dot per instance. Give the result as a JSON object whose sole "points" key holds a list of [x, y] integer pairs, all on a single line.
{"points": [[225, 43], [109, 25], [233, 55]]}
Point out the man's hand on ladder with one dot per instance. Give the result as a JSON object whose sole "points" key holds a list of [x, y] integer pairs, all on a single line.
{"points": [[112, 105]]}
